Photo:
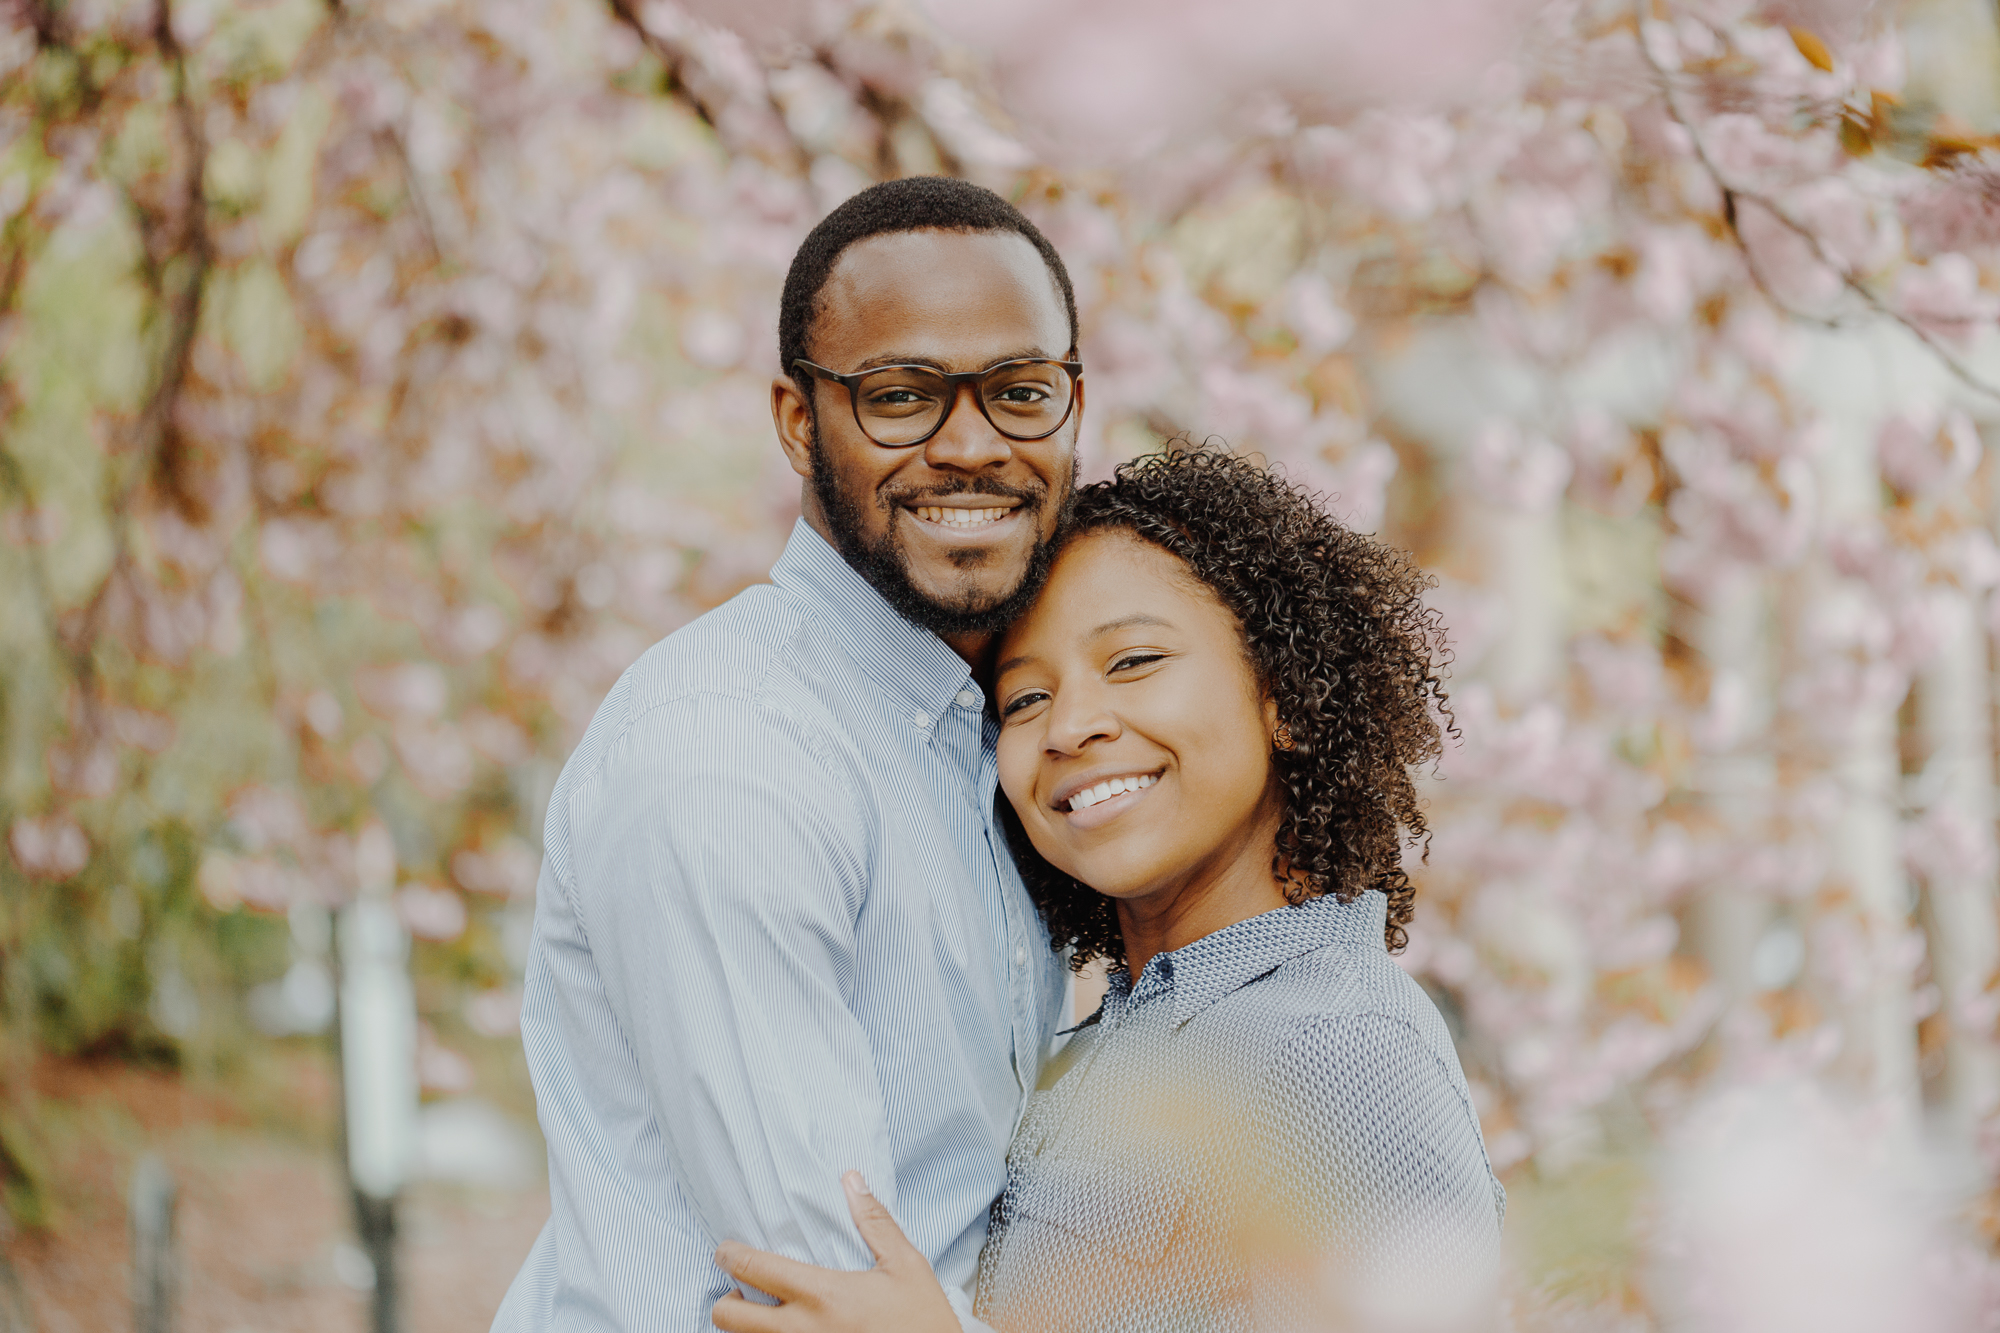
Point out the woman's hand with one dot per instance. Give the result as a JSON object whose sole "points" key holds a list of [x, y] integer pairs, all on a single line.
{"points": [[900, 1292]]}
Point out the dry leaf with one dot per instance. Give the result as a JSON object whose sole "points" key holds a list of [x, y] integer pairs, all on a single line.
{"points": [[1812, 48]]}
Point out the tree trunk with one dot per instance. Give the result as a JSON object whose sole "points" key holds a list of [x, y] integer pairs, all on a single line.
{"points": [[1954, 726], [1737, 776]]}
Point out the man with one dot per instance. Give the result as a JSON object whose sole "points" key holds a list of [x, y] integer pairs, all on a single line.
{"points": [[778, 935]]}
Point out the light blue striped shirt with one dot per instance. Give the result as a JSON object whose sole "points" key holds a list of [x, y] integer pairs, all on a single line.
{"points": [[777, 936]]}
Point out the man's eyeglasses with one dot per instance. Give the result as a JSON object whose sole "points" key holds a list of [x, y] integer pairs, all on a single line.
{"points": [[900, 406]]}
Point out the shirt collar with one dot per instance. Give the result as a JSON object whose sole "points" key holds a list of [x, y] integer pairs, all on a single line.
{"points": [[1197, 975], [917, 670]]}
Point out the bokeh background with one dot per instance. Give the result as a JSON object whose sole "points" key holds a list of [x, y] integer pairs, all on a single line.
{"points": [[379, 377]]}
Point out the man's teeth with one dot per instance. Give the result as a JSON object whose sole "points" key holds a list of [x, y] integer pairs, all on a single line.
{"points": [[958, 518], [1107, 789]]}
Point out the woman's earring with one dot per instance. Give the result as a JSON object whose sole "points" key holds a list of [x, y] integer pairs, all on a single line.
{"points": [[1281, 739]]}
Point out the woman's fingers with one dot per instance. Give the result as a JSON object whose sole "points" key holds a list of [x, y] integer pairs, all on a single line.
{"points": [[734, 1314], [772, 1274], [886, 1241], [900, 1294]]}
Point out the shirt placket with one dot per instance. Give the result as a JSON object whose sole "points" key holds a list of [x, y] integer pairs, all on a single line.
{"points": [[1083, 1084], [1021, 971], [961, 729]]}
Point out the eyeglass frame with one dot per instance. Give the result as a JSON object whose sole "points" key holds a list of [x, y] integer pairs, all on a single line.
{"points": [[953, 378]]}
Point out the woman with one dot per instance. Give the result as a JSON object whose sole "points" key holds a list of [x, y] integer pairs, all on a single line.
{"points": [[1208, 722]]}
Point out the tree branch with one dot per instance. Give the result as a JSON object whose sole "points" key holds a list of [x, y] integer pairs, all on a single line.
{"points": [[183, 310], [676, 63], [1732, 192]]}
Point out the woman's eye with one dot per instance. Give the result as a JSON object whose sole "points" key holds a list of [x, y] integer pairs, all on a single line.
{"points": [[1014, 706], [1131, 660]]}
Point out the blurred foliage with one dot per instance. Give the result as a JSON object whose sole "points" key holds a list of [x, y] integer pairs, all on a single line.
{"points": [[1576, 1237]]}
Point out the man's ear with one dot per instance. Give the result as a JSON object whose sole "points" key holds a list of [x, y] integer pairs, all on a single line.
{"points": [[792, 415]]}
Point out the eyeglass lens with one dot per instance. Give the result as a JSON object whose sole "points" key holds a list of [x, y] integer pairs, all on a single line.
{"points": [[902, 404]]}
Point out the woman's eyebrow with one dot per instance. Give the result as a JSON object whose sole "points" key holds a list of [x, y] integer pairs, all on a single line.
{"points": [[1019, 659], [1127, 622], [1123, 622]]}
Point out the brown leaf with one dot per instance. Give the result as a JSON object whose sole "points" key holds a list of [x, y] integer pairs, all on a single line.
{"points": [[1855, 137], [1812, 48], [1951, 139]]}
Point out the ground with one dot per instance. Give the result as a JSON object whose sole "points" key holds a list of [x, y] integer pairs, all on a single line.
{"points": [[266, 1229], [263, 1212]]}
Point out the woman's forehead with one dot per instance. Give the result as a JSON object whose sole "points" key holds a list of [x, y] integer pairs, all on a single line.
{"points": [[1106, 579]]}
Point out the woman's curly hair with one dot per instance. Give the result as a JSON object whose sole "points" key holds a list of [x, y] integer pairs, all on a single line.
{"points": [[1335, 627]]}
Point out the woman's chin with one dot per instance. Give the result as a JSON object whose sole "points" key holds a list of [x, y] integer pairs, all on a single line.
{"points": [[1113, 877]]}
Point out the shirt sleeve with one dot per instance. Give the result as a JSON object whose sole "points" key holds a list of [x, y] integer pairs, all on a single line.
{"points": [[1374, 1160], [720, 864]]}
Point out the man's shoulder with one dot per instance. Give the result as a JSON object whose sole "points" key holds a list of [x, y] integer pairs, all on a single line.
{"points": [[743, 667], [763, 648]]}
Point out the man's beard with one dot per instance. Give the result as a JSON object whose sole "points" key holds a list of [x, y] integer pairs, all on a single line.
{"points": [[885, 564]]}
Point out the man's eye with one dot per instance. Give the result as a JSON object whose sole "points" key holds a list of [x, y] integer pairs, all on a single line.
{"points": [[1016, 705]]}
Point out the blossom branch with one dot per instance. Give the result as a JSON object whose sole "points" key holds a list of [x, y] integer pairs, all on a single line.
{"points": [[675, 61], [1732, 192], [182, 303], [1730, 198]]}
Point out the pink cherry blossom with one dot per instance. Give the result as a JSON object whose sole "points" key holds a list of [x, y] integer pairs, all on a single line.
{"points": [[1924, 452], [51, 847], [1957, 209], [431, 912], [1943, 296], [1518, 468]]}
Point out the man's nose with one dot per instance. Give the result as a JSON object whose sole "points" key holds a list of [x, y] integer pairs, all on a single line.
{"points": [[967, 442]]}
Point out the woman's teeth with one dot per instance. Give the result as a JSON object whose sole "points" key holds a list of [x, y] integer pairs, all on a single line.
{"points": [[1107, 789], [958, 518]]}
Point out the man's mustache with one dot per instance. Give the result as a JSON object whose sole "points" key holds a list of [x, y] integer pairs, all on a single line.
{"points": [[1031, 497]]}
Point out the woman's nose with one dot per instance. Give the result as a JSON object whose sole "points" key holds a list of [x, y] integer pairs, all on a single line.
{"points": [[1079, 718]]}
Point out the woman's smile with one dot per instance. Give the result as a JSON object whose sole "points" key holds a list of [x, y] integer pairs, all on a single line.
{"points": [[1092, 802]]}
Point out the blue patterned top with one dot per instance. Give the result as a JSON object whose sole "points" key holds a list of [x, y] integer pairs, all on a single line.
{"points": [[777, 936], [1270, 1128]]}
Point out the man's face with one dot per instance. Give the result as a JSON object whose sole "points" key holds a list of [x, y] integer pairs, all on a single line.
{"points": [[956, 531]]}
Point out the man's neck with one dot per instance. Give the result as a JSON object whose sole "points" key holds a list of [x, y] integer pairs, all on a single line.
{"points": [[976, 649]]}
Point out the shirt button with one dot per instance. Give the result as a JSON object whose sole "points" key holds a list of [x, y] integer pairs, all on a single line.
{"points": [[922, 720], [968, 698], [1020, 955]]}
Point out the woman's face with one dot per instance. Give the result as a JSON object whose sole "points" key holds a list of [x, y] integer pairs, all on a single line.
{"points": [[1134, 738]]}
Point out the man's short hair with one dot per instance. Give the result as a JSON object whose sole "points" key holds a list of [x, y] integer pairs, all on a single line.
{"points": [[914, 203]]}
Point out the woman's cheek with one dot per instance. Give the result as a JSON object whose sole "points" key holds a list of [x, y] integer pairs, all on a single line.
{"points": [[1017, 773]]}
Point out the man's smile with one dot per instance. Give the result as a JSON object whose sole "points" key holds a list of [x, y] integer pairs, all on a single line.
{"points": [[951, 516], [982, 516]]}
